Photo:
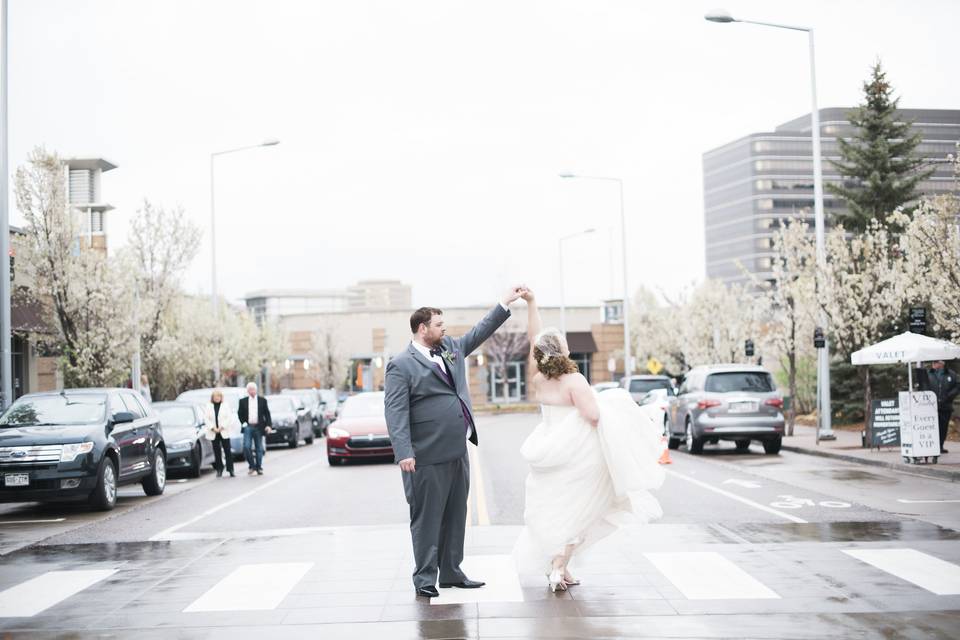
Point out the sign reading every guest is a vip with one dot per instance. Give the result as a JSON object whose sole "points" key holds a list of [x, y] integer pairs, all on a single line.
{"points": [[885, 423], [919, 429]]}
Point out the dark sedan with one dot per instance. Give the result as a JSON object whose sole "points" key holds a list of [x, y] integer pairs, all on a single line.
{"points": [[187, 446], [80, 444], [361, 430], [291, 421]]}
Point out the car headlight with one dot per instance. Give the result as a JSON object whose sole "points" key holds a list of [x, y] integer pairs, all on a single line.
{"points": [[181, 444], [334, 432], [70, 452]]}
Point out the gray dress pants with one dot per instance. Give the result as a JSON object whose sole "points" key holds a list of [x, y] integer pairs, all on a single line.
{"points": [[437, 495]]}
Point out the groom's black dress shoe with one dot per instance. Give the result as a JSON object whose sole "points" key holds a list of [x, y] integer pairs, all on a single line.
{"points": [[466, 584], [427, 592]]}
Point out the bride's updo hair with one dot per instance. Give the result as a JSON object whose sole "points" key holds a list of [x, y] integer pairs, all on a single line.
{"points": [[550, 352]]}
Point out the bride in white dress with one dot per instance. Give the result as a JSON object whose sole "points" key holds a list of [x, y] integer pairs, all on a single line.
{"points": [[593, 460]]}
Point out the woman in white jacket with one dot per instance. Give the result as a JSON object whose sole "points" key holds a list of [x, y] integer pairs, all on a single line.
{"points": [[221, 424]]}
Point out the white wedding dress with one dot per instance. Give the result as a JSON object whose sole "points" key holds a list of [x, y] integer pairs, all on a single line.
{"points": [[585, 482]]}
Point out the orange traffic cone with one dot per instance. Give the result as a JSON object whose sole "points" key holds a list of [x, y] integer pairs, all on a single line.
{"points": [[665, 456]]}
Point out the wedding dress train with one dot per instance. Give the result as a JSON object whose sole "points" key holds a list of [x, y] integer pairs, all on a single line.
{"points": [[585, 482]]}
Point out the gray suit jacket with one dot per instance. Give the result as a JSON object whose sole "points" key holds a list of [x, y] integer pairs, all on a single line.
{"points": [[424, 418]]}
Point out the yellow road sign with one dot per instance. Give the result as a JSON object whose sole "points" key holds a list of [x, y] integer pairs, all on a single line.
{"points": [[654, 366]]}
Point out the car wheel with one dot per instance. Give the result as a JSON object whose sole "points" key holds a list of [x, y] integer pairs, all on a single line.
{"points": [[772, 446], [743, 446], [309, 437], [333, 462], [694, 444], [154, 484], [104, 495], [195, 467], [293, 444]]}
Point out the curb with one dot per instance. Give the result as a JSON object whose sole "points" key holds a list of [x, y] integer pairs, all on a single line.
{"points": [[920, 469]]}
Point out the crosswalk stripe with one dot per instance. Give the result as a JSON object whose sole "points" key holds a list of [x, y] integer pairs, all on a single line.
{"points": [[37, 594], [707, 575], [930, 573], [252, 587]]}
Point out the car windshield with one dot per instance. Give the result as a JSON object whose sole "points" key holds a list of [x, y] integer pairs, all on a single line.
{"points": [[643, 386], [281, 405], [363, 406], [176, 416], [731, 381], [53, 410]]}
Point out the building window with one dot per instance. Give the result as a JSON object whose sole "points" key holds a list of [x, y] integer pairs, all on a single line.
{"points": [[583, 363], [508, 384], [613, 312]]}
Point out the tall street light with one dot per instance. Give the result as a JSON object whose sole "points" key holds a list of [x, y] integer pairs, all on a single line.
{"points": [[5, 284], [213, 247], [823, 356], [627, 364], [563, 306]]}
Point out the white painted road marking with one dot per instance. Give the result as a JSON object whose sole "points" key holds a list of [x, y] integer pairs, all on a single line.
{"points": [[743, 483], [933, 574], [707, 575], [163, 535], [908, 501], [3, 522], [249, 587], [500, 574], [733, 496], [477, 490], [37, 594]]}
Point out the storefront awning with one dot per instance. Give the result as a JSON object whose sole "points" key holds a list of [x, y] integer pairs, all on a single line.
{"points": [[581, 342]]}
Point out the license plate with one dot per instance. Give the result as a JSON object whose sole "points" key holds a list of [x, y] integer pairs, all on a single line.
{"points": [[16, 479], [742, 407]]}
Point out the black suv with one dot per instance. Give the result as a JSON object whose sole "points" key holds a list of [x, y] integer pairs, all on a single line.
{"points": [[80, 444]]}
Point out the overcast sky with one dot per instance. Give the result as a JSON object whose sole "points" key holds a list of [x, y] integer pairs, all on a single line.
{"points": [[421, 140]]}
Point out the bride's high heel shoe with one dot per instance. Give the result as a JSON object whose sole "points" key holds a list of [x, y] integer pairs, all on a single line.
{"points": [[555, 578]]}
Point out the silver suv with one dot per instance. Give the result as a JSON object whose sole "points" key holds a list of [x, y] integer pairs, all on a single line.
{"points": [[726, 402], [640, 386]]}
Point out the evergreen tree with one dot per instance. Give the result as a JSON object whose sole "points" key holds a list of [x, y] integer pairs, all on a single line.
{"points": [[878, 164]]}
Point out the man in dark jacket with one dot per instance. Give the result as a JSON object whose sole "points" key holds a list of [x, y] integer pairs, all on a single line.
{"points": [[254, 415], [943, 382]]}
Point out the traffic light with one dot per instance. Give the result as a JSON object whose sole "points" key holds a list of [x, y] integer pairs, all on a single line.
{"points": [[748, 348], [818, 340]]}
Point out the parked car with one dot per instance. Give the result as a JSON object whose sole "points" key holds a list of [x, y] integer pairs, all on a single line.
{"points": [[639, 386], [727, 402], [291, 421], [311, 400], [188, 448], [360, 431], [603, 386], [80, 444], [330, 406], [231, 398], [655, 404]]}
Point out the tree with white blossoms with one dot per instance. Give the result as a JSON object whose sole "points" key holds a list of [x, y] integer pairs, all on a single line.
{"points": [[863, 290], [507, 345], [654, 327], [788, 305], [89, 296], [931, 244], [328, 364], [715, 322]]}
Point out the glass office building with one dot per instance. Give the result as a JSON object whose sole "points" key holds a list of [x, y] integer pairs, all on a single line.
{"points": [[752, 185]]}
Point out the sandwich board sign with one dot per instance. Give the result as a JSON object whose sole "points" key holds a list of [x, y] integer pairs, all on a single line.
{"points": [[919, 429]]}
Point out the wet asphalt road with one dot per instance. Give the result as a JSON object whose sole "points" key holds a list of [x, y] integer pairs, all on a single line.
{"points": [[808, 505]]}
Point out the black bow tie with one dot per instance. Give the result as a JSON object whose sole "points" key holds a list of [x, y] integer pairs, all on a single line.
{"points": [[436, 351]]}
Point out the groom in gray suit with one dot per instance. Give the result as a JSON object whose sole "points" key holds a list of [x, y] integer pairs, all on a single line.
{"points": [[430, 418]]}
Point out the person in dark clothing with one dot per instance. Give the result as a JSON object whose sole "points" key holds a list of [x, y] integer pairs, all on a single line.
{"points": [[943, 382], [220, 424]]}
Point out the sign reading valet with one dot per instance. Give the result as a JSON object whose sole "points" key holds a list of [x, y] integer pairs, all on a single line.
{"points": [[919, 429]]}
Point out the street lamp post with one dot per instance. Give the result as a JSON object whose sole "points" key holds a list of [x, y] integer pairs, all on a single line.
{"points": [[627, 358], [213, 248], [563, 306], [6, 370], [825, 432]]}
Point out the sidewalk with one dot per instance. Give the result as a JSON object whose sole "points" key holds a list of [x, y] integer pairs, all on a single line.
{"points": [[848, 447]]}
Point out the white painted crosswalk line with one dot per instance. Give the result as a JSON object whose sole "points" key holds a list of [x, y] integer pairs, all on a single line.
{"points": [[252, 587], [37, 594], [707, 575], [500, 575], [930, 573]]}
